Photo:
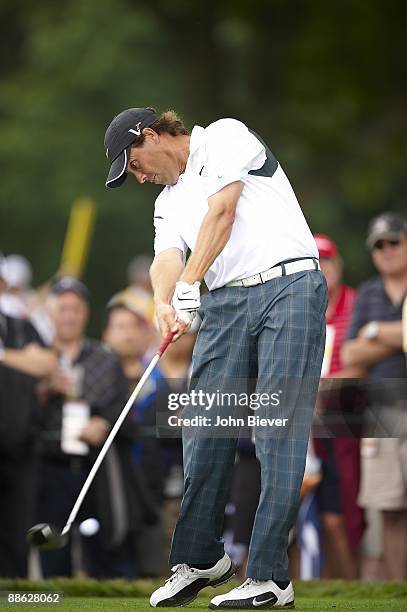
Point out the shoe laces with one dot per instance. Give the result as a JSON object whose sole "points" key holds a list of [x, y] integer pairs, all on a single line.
{"points": [[180, 570], [249, 582]]}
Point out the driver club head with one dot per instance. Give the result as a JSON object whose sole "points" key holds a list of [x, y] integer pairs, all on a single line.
{"points": [[46, 537]]}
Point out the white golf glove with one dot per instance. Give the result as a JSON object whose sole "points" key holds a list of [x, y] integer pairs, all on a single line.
{"points": [[186, 301]]}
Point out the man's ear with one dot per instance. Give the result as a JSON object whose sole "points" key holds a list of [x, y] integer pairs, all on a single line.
{"points": [[149, 134]]}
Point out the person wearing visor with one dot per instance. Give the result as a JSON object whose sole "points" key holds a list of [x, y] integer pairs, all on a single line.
{"points": [[374, 342], [227, 200]]}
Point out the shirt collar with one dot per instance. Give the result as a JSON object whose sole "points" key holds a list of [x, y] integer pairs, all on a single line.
{"points": [[196, 152], [196, 149], [196, 139], [84, 351]]}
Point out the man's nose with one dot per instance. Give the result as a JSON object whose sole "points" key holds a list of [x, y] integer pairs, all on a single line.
{"points": [[141, 177]]}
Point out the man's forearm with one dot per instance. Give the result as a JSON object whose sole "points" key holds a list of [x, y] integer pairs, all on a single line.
{"points": [[390, 334], [38, 364], [166, 269], [214, 232], [212, 238], [364, 353]]}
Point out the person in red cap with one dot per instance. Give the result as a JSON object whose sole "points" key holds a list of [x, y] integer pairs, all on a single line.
{"points": [[342, 519]]}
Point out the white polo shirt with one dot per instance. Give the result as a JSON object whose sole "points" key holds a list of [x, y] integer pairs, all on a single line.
{"points": [[269, 225]]}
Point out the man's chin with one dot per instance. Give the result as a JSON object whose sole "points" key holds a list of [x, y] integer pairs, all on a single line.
{"points": [[170, 182]]}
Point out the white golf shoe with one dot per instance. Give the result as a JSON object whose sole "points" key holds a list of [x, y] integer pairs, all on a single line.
{"points": [[254, 594], [186, 582]]}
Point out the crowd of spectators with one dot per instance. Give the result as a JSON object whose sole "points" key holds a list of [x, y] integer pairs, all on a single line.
{"points": [[61, 392]]}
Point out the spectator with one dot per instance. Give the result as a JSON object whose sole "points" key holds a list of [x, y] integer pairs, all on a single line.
{"points": [[129, 333], [375, 343], [143, 302], [23, 360], [308, 526], [81, 401], [17, 274], [21, 300], [138, 273], [341, 518], [404, 327], [138, 276]]}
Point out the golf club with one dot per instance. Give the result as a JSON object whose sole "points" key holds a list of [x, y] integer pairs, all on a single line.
{"points": [[47, 536]]}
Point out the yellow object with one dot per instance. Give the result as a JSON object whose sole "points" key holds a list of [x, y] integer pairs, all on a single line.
{"points": [[78, 237]]}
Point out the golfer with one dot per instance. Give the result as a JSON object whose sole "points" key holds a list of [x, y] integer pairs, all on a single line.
{"points": [[227, 199]]}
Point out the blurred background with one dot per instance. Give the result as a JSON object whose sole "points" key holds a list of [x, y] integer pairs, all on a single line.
{"points": [[321, 82]]}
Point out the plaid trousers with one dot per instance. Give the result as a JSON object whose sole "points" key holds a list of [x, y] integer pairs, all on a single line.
{"points": [[274, 334]]}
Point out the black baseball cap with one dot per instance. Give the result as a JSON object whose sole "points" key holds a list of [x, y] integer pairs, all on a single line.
{"points": [[120, 135], [70, 283], [388, 226]]}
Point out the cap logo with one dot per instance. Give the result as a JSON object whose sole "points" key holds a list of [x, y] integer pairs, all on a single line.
{"points": [[137, 131], [107, 152]]}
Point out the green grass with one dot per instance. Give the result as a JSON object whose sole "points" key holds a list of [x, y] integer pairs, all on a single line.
{"points": [[94, 604], [119, 595]]}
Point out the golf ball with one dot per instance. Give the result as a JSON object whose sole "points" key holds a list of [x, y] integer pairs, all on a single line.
{"points": [[89, 527]]}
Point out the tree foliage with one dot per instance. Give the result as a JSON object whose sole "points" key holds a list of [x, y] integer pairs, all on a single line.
{"points": [[323, 82]]}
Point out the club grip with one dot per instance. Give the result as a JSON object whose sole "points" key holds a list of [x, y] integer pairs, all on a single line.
{"points": [[165, 343]]}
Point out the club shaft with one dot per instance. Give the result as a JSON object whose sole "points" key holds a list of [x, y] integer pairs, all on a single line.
{"points": [[113, 433]]}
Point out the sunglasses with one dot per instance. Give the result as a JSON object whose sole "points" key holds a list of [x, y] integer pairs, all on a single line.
{"points": [[380, 244]]}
